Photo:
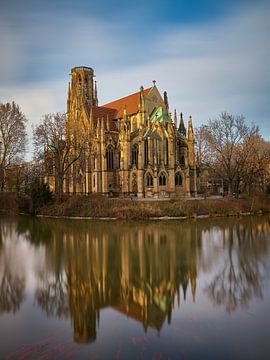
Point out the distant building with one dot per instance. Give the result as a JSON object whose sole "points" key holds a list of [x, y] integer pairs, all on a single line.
{"points": [[135, 147]]}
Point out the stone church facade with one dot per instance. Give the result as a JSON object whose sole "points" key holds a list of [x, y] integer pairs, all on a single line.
{"points": [[134, 146]]}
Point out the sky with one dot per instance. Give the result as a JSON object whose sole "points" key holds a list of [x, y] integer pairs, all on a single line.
{"points": [[210, 56]]}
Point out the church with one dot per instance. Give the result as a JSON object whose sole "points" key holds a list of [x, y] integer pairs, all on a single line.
{"points": [[134, 147]]}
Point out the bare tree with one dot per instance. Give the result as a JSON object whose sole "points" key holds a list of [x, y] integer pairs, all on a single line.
{"points": [[12, 137], [228, 143], [255, 174], [53, 140]]}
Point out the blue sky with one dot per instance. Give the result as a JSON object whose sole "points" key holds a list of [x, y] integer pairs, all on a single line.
{"points": [[209, 55]]}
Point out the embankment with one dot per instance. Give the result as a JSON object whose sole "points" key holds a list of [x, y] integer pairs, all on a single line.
{"points": [[95, 206]]}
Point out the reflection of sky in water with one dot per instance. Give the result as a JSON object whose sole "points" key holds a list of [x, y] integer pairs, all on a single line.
{"points": [[202, 324]]}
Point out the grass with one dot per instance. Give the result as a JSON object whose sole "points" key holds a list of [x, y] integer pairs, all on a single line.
{"points": [[97, 206]]}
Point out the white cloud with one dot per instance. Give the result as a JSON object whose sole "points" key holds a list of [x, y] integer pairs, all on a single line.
{"points": [[205, 69], [224, 66]]}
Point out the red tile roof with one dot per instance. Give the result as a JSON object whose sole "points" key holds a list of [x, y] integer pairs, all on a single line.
{"points": [[115, 109], [101, 112], [130, 102]]}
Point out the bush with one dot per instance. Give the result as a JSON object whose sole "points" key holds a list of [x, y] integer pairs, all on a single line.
{"points": [[8, 203], [37, 195]]}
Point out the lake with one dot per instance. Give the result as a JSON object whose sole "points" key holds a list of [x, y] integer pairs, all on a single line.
{"points": [[78, 289]]}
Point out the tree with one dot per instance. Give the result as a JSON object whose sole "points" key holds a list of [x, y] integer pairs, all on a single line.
{"points": [[12, 137], [255, 174], [228, 144], [53, 141]]}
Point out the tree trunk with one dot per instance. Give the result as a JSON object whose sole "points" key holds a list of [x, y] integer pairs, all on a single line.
{"points": [[2, 178], [230, 187], [59, 187]]}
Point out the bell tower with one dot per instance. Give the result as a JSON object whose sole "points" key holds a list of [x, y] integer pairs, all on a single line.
{"points": [[82, 90]]}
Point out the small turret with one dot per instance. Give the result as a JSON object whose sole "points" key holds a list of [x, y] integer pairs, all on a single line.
{"points": [[190, 130], [182, 128], [108, 123], [175, 118], [170, 124], [141, 100], [91, 122], [125, 114], [166, 102]]}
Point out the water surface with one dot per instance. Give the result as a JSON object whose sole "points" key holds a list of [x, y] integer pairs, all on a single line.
{"points": [[135, 290]]}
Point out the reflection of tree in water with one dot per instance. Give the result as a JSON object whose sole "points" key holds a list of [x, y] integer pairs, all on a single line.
{"points": [[12, 286], [246, 247], [35, 230], [11, 293], [52, 296]]}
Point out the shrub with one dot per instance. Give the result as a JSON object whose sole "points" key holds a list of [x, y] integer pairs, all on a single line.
{"points": [[37, 195], [8, 203]]}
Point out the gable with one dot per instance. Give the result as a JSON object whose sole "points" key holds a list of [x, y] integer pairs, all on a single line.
{"points": [[153, 100]]}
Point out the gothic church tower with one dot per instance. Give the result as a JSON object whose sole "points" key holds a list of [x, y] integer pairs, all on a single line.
{"points": [[82, 92]]}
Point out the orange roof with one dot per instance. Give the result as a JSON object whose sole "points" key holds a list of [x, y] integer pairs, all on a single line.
{"points": [[130, 102], [101, 112]]}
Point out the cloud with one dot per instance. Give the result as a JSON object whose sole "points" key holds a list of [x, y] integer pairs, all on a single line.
{"points": [[222, 66], [206, 68]]}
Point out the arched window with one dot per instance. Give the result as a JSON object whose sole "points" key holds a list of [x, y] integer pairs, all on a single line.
{"points": [[86, 87], [178, 179], [156, 149], [135, 151], [79, 86], [182, 160], [162, 179], [149, 180], [178, 150], [146, 152], [109, 157]]}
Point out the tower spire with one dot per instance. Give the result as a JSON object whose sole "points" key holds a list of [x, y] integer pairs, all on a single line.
{"points": [[190, 129], [175, 118], [182, 128], [141, 100], [108, 123], [166, 102]]}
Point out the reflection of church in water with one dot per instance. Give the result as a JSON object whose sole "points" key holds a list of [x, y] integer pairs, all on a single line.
{"points": [[140, 274]]}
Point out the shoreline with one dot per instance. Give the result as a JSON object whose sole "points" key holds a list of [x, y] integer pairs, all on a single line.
{"points": [[206, 216], [100, 208]]}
